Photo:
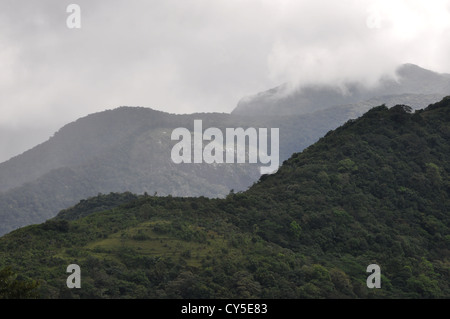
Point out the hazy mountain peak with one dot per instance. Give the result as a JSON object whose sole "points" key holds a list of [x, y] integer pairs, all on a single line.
{"points": [[411, 84], [411, 70]]}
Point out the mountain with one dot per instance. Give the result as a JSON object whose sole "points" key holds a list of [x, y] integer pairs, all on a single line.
{"points": [[413, 85], [125, 149], [128, 148], [16, 140], [374, 191]]}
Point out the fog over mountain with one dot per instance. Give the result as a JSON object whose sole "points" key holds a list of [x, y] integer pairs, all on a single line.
{"points": [[412, 85], [128, 148], [118, 119], [16, 140], [196, 56]]}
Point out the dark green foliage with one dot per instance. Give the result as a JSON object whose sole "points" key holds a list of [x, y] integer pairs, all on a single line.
{"points": [[375, 190], [14, 287], [56, 225], [128, 149], [95, 204]]}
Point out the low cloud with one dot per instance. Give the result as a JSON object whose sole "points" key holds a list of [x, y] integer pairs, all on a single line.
{"points": [[200, 56], [362, 41]]}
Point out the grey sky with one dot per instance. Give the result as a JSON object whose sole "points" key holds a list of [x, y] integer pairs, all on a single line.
{"points": [[184, 56]]}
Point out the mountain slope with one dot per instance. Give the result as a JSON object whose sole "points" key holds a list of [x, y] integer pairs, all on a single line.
{"points": [[414, 85], [128, 149], [375, 190], [133, 154]]}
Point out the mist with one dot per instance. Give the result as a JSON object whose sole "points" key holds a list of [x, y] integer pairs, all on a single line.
{"points": [[197, 56]]}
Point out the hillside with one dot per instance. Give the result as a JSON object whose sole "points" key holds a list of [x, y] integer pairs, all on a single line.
{"points": [[414, 86], [128, 149], [375, 190]]}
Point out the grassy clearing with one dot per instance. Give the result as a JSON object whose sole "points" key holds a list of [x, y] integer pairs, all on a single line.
{"points": [[148, 242]]}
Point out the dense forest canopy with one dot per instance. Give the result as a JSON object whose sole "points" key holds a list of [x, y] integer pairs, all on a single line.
{"points": [[374, 191]]}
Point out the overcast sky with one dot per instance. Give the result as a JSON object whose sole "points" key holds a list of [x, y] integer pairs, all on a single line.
{"points": [[184, 56]]}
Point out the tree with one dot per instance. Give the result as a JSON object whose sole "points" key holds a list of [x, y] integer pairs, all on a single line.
{"points": [[11, 287]]}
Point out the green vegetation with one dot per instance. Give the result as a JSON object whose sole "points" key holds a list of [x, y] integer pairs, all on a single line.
{"points": [[375, 190], [128, 149], [13, 287]]}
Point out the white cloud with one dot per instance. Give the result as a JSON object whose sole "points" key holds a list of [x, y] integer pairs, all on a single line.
{"points": [[199, 55], [362, 41]]}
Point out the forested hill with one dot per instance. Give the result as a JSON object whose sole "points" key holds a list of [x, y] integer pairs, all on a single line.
{"points": [[129, 149], [374, 191]]}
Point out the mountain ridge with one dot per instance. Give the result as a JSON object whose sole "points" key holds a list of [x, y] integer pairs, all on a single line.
{"points": [[410, 79], [373, 191], [128, 149]]}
